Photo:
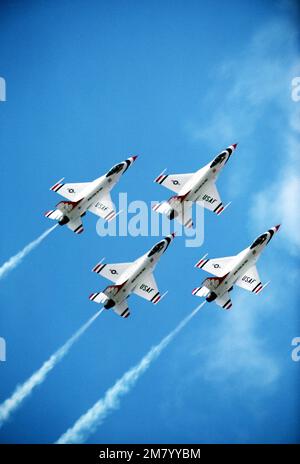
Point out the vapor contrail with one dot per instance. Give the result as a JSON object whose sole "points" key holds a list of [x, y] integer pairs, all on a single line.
{"points": [[15, 260], [24, 390], [94, 417]]}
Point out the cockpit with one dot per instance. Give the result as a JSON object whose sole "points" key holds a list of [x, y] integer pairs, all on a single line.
{"points": [[219, 159], [158, 247], [115, 170], [259, 241]]}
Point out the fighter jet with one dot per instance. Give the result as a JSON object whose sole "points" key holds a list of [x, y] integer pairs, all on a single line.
{"points": [[87, 196], [233, 270], [198, 187], [135, 277]]}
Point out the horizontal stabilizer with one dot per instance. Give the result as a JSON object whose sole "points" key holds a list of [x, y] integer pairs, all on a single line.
{"points": [[182, 210], [201, 291], [76, 225], [122, 309], [98, 297], [55, 214], [162, 208], [224, 301], [184, 214]]}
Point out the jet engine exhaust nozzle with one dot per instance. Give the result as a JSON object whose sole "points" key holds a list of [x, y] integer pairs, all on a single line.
{"points": [[211, 297], [109, 304], [64, 220], [172, 214]]}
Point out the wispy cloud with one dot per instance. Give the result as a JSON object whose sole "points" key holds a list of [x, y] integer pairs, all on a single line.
{"points": [[279, 200], [238, 350], [10, 405], [257, 90], [95, 416], [257, 77], [15, 260]]}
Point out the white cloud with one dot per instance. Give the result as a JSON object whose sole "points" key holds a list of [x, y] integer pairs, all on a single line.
{"points": [[279, 203], [258, 83], [237, 350]]}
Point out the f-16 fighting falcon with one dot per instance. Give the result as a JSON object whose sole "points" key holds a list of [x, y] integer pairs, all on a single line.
{"points": [[233, 270], [135, 277], [198, 187], [87, 196]]}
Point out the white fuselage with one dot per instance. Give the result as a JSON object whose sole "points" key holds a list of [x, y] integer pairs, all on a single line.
{"points": [[192, 190], [243, 261], [90, 195], [134, 276], [195, 187], [241, 267]]}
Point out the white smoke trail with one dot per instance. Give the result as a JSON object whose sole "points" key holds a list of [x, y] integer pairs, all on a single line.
{"points": [[94, 417], [15, 260], [24, 390]]}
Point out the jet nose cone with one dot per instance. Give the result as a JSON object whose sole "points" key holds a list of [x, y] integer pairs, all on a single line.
{"points": [[277, 227], [131, 160], [234, 145], [171, 236]]}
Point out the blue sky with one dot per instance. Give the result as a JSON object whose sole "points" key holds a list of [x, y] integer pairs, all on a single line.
{"points": [[174, 82]]}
